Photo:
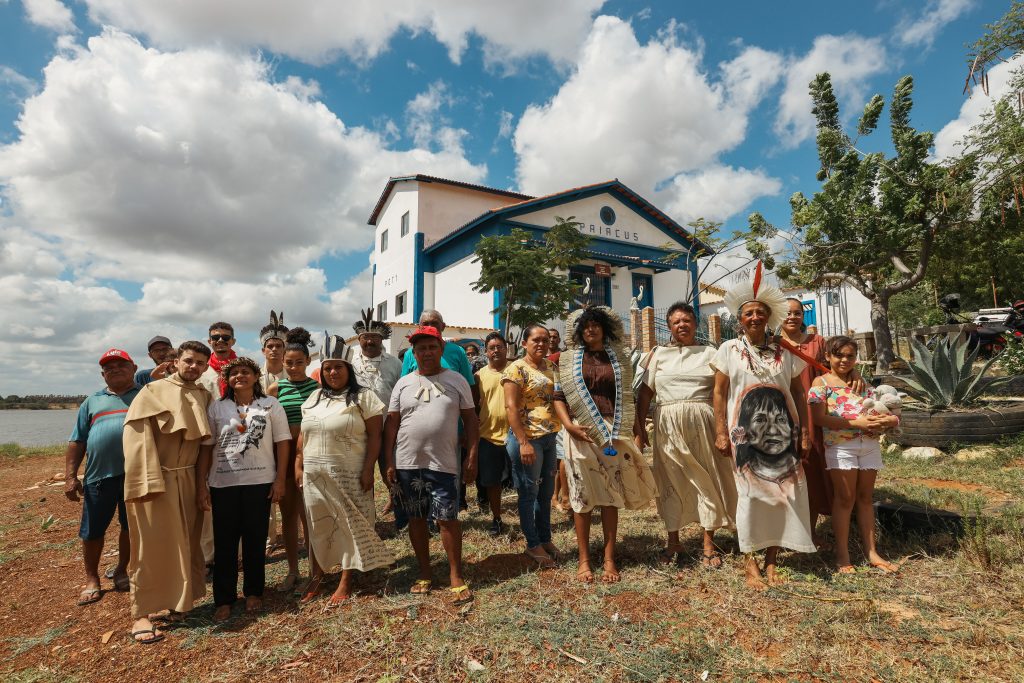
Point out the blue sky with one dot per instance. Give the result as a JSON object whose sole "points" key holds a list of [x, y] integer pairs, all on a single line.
{"points": [[164, 163]]}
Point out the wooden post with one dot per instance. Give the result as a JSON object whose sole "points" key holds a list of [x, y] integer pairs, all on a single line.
{"points": [[715, 328]]}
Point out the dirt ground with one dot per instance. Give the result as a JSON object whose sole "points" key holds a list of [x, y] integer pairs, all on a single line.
{"points": [[948, 615]]}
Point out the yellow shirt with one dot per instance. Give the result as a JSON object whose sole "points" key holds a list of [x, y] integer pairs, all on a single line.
{"points": [[538, 387], [493, 420]]}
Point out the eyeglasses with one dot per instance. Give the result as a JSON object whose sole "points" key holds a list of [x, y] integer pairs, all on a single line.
{"points": [[220, 337]]}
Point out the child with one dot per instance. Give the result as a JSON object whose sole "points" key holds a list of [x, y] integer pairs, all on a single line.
{"points": [[853, 454]]}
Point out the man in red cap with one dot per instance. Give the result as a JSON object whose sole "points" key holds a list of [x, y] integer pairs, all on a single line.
{"points": [[421, 443], [98, 434]]}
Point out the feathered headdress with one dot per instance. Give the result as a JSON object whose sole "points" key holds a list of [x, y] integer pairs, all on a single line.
{"points": [[275, 330], [335, 348], [368, 324], [753, 288]]}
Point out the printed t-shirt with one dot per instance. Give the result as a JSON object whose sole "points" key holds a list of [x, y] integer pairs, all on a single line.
{"points": [[453, 358], [493, 420], [839, 402], [538, 391], [428, 436], [246, 458], [292, 396], [100, 426]]}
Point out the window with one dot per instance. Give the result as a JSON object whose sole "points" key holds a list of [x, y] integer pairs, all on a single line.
{"points": [[384, 241], [405, 224], [382, 311], [400, 303]]}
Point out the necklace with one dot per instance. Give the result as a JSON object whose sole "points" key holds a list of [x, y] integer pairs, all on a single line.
{"points": [[758, 363]]}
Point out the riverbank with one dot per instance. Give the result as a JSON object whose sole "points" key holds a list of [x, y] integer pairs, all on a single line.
{"points": [[951, 613]]}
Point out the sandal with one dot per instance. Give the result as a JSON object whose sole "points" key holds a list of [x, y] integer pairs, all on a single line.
{"points": [[585, 574], [552, 550], [461, 594], [311, 591], [668, 554], [89, 596], [543, 560], [337, 600], [846, 569], [613, 576], [156, 636], [122, 584], [288, 585], [886, 567], [708, 560], [421, 587]]}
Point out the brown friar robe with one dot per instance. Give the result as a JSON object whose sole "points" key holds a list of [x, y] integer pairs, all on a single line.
{"points": [[162, 433]]}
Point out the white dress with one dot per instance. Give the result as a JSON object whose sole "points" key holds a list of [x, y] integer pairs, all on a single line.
{"points": [[772, 508], [341, 514], [695, 483]]}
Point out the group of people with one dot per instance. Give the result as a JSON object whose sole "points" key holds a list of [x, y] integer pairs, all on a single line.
{"points": [[761, 435]]}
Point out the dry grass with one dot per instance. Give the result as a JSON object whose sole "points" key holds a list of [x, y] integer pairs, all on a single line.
{"points": [[952, 613]]}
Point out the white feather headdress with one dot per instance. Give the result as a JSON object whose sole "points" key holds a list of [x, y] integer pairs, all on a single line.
{"points": [[753, 288]]}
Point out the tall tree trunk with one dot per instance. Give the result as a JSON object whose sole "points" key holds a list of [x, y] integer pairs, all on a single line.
{"points": [[884, 354]]}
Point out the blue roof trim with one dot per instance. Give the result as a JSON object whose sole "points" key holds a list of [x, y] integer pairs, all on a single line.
{"points": [[631, 199]]}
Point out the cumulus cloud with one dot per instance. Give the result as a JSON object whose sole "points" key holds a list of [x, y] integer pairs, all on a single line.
{"points": [[971, 111], [199, 157], [716, 192], [51, 14], [647, 114], [18, 85], [850, 59], [427, 125], [921, 30], [317, 31]]}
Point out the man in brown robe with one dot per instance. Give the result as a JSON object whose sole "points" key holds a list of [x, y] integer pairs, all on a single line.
{"points": [[163, 430]]}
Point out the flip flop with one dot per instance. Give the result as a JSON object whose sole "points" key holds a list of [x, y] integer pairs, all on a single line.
{"points": [[462, 594], [421, 587], [122, 584], [89, 596], [708, 560], [543, 561], [884, 567], [846, 569], [157, 637], [336, 601]]}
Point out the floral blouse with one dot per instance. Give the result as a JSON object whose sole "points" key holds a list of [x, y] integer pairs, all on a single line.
{"points": [[839, 402], [538, 388]]}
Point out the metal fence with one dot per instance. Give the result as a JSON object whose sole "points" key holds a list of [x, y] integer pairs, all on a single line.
{"points": [[662, 335]]}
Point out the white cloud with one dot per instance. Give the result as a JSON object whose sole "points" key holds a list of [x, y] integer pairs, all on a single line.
{"points": [[850, 59], [51, 14], [716, 192], [18, 85], [971, 111], [426, 125], [922, 29], [199, 157], [318, 30], [505, 119], [645, 114]]}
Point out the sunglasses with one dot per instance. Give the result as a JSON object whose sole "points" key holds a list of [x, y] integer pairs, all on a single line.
{"points": [[220, 337]]}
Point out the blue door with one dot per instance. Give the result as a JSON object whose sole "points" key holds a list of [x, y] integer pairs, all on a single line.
{"points": [[810, 312], [646, 282]]}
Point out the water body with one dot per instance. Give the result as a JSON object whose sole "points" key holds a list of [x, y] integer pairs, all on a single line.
{"points": [[36, 427]]}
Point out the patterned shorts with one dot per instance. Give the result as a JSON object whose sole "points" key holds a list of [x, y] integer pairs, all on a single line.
{"points": [[425, 493]]}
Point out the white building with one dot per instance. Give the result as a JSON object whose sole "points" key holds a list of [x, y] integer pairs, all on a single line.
{"points": [[427, 229]]}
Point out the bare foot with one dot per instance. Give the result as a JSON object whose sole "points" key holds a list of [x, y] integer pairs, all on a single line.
{"points": [[610, 573], [753, 579], [584, 574], [772, 576], [846, 569], [222, 613], [878, 562], [253, 603]]}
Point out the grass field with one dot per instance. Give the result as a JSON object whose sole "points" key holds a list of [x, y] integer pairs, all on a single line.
{"points": [[952, 613]]}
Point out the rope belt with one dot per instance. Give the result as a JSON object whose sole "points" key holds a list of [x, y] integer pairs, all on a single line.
{"points": [[706, 401], [175, 469]]}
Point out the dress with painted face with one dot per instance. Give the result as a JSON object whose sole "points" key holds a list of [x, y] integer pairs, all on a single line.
{"points": [[772, 506]]}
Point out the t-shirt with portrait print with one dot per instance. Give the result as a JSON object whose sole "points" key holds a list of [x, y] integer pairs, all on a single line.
{"points": [[538, 393]]}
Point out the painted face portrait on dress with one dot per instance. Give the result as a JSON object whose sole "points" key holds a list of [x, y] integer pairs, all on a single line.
{"points": [[765, 434]]}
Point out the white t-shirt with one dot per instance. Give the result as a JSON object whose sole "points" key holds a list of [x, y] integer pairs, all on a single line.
{"points": [[428, 436], [246, 458]]}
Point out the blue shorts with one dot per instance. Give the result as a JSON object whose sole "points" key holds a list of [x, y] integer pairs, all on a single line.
{"points": [[100, 500], [422, 493]]}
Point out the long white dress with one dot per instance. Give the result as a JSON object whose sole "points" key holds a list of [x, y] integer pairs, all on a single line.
{"points": [[772, 507], [341, 514], [695, 483]]}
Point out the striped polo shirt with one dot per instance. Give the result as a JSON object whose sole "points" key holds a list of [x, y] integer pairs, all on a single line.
{"points": [[100, 426], [291, 396]]}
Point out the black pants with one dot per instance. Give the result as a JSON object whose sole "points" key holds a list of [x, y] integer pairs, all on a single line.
{"points": [[239, 513]]}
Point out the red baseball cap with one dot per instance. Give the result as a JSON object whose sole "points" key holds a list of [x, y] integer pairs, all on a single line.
{"points": [[115, 354], [425, 331]]}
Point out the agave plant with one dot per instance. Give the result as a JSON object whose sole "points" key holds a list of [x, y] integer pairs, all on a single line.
{"points": [[944, 377]]}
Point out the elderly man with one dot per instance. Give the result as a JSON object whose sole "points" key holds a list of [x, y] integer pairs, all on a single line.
{"points": [[222, 338], [375, 368], [163, 430], [163, 354], [98, 434]]}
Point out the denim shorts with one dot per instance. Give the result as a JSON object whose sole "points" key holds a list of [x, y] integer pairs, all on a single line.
{"points": [[858, 453], [492, 463], [100, 500], [425, 493]]}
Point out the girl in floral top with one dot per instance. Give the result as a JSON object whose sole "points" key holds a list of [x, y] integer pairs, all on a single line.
{"points": [[853, 455]]}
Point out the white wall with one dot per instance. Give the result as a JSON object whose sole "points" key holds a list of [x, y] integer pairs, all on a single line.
{"points": [[670, 287], [456, 300], [395, 266], [858, 311]]}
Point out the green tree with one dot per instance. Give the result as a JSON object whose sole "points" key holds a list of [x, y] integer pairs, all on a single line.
{"points": [[875, 220], [531, 273]]}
